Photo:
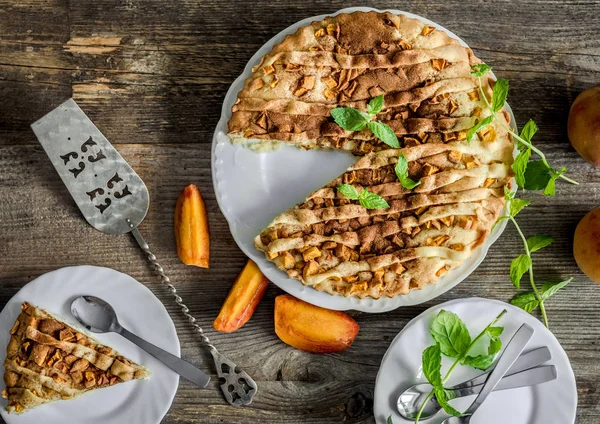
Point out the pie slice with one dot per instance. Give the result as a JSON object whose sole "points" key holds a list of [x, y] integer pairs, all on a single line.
{"points": [[48, 360], [431, 101]]}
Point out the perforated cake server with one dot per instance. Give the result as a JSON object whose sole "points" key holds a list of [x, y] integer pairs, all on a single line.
{"points": [[114, 199]]}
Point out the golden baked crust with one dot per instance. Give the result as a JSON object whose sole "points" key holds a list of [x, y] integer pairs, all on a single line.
{"points": [[332, 243], [345, 61], [47, 360]]}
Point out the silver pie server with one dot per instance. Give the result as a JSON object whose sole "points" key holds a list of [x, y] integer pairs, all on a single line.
{"points": [[510, 354], [99, 316], [410, 401], [114, 199]]}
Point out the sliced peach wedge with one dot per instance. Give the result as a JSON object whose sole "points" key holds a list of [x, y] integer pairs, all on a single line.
{"points": [[191, 228], [242, 300], [312, 328]]}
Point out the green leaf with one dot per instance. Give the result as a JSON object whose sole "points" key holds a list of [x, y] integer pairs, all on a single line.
{"points": [[525, 301], [480, 69], [520, 166], [494, 332], [349, 191], [450, 333], [384, 133], [389, 420], [508, 195], [479, 126], [519, 266], [495, 346], [537, 175], [502, 218], [370, 200], [527, 133], [500, 94], [539, 241], [432, 365], [349, 119], [549, 289], [517, 205], [481, 362], [441, 396], [375, 105], [550, 189], [401, 170]]}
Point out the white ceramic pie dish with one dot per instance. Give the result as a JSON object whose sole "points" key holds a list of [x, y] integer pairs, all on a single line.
{"points": [[252, 188]]}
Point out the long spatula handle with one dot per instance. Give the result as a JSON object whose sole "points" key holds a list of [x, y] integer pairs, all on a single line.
{"points": [[238, 387]]}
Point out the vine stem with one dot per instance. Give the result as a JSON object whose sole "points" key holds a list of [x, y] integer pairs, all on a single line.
{"points": [[531, 280], [518, 137], [458, 361]]}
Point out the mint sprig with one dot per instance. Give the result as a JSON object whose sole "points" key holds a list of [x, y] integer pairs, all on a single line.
{"points": [[352, 119], [401, 170], [523, 264], [453, 340], [541, 176], [367, 199]]}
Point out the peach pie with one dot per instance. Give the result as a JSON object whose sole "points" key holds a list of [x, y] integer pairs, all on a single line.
{"points": [[330, 241], [48, 360]]}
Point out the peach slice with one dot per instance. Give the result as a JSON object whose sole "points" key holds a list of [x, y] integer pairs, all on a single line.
{"points": [[242, 300], [191, 228], [312, 328]]}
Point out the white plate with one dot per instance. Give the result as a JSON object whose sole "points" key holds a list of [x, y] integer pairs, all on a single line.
{"points": [[133, 402], [253, 188], [554, 402]]}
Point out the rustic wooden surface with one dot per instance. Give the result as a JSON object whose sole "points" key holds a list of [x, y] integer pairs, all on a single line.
{"points": [[152, 75]]}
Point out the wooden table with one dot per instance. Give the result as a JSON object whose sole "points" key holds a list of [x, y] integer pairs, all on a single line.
{"points": [[152, 75]]}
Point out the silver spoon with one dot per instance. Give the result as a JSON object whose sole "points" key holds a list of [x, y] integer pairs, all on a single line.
{"points": [[410, 401], [507, 358], [98, 316]]}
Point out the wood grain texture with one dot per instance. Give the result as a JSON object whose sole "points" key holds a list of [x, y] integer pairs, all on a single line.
{"points": [[152, 75]]}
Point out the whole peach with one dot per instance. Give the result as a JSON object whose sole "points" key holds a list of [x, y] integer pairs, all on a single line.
{"points": [[584, 125], [586, 245]]}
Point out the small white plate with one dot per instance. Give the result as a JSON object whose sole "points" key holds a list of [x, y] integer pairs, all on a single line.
{"points": [[253, 188], [554, 402], [133, 402]]}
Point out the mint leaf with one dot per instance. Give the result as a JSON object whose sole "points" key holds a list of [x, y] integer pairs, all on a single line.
{"points": [[517, 205], [493, 332], [481, 362], [520, 166], [508, 195], [389, 420], [349, 191], [349, 119], [480, 70], [479, 126], [500, 94], [375, 105], [502, 218], [441, 396], [537, 175], [539, 241], [432, 365], [401, 170], [369, 200], [495, 346], [519, 266], [549, 289], [384, 133], [550, 189], [527, 133], [450, 333], [525, 301]]}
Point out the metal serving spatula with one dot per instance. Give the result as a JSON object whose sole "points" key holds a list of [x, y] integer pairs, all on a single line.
{"points": [[114, 200]]}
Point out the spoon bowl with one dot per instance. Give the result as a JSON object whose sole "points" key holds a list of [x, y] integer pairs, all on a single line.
{"points": [[95, 314], [410, 401]]}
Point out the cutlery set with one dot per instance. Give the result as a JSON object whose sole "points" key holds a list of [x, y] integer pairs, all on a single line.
{"points": [[513, 370]]}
